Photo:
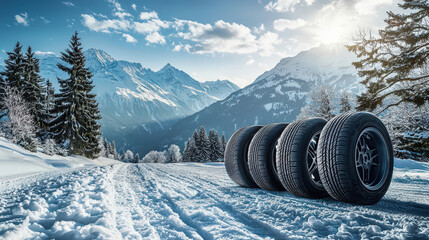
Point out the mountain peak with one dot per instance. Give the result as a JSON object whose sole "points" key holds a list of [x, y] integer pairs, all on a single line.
{"points": [[99, 54]]}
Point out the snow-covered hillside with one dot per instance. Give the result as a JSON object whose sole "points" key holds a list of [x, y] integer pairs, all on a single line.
{"points": [[136, 102], [276, 96], [199, 201], [16, 161]]}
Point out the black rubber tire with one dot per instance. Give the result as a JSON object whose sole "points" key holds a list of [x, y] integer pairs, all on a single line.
{"points": [[262, 157], [236, 156], [336, 154], [292, 157]]}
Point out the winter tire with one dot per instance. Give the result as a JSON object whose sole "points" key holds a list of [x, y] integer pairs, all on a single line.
{"points": [[262, 157], [236, 156], [355, 158], [297, 158]]}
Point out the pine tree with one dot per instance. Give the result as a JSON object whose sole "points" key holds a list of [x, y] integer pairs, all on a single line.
{"points": [[13, 75], [391, 62], [215, 147], [203, 145], [223, 142], [33, 92], [75, 126], [193, 152], [49, 106], [345, 102], [136, 158], [113, 151]]}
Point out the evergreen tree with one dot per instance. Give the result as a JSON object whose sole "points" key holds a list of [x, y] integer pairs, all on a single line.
{"points": [[215, 147], [75, 126], [136, 158], [49, 106], [13, 75], [193, 151], [33, 92], [203, 145], [391, 62], [345, 102], [113, 151], [223, 142]]}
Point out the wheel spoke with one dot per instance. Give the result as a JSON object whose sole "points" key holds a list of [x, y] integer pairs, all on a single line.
{"points": [[312, 167]]}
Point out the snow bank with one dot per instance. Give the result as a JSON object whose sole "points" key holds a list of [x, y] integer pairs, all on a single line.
{"points": [[16, 161]]}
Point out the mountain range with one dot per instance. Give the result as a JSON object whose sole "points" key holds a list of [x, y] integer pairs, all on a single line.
{"points": [[276, 96]]}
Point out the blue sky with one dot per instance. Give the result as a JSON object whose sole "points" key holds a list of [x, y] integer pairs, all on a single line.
{"points": [[220, 39]]}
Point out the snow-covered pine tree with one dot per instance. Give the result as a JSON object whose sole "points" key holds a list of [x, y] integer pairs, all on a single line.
{"points": [[136, 158], [185, 154], [345, 102], [32, 90], [113, 151], [215, 147], [319, 104], [75, 126], [390, 62], [203, 145], [13, 75], [49, 106], [408, 127], [20, 122], [223, 142], [191, 153]]}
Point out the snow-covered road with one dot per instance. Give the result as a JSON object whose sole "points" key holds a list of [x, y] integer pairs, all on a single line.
{"points": [[199, 201]]}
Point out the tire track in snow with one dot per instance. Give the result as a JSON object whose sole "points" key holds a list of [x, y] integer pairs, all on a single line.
{"points": [[151, 208], [257, 227]]}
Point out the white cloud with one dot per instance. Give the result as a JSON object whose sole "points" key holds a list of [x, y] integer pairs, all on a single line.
{"points": [[129, 38], [177, 48], [155, 37], [105, 25], [282, 24], [116, 5], [150, 26], [267, 43], [41, 53], [250, 61], [286, 5], [259, 29], [148, 15], [368, 7], [45, 20], [122, 14], [223, 37], [69, 4], [134, 6], [22, 18]]}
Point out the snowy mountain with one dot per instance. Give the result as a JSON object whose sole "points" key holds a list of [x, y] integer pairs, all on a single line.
{"points": [[275, 96], [135, 102]]}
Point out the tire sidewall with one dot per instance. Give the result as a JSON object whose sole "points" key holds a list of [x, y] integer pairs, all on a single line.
{"points": [[360, 122]]}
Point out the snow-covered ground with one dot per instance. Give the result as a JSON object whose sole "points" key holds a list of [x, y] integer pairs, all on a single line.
{"points": [[17, 162], [199, 201]]}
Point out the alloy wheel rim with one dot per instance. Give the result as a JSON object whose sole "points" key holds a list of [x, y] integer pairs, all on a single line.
{"points": [[371, 159], [311, 160]]}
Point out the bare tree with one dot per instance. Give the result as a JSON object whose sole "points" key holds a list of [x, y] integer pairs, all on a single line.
{"points": [[20, 122]]}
